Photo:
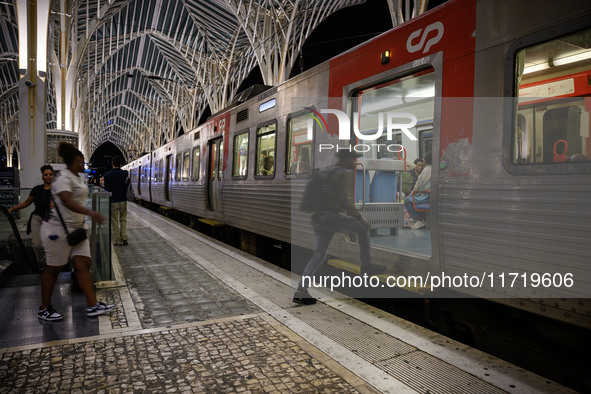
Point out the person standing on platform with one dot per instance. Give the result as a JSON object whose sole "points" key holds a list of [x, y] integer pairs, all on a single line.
{"points": [[41, 196], [69, 193], [337, 213], [116, 183]]}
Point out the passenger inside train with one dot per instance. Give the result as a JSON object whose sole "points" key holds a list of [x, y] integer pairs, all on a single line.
{"points": [[268, 164], [418, 202]]}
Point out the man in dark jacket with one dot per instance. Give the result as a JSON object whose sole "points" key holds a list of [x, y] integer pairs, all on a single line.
{"points": [[339, 216], [115, 182]]}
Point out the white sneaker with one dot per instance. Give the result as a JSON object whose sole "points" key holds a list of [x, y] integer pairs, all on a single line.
{"points": [[49, 314], [99, 309], [419, 224]]}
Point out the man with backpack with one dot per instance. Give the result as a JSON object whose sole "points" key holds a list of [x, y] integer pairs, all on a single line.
{"points": [[116, 183], [330, 197]]}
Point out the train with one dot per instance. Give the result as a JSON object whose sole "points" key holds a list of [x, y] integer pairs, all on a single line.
{"points": [[498, 92]]}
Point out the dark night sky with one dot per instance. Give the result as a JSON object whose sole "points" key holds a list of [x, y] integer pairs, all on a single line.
{"points": [[339, 32]]}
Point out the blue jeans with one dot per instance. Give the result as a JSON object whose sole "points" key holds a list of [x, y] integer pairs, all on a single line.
{"points": [[410, 207], [325, 226]]}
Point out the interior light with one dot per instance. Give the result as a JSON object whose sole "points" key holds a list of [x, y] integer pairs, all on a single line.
{"points": [[385, 57], [428, 92], [42, 22], [23, 55], [571, 59], [537, 67]]}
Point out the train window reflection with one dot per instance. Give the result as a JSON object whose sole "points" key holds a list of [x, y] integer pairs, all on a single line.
{"points": [[265, 164], [299, 145], [552, 118], [240, 155], [156, 170]]}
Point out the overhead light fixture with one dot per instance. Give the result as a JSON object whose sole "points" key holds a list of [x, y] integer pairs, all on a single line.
{"points": [[558, 62], [427, 92], [385, 57], [537, 67], [571, 59]]}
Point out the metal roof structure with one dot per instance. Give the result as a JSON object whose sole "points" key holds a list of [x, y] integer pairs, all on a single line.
{"points": [[137, 72]]}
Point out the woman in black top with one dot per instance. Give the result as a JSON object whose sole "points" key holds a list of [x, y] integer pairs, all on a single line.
{"points": [[41, 197]]}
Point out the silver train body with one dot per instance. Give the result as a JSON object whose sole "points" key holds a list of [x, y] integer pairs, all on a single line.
{"points": [[501, 203]]}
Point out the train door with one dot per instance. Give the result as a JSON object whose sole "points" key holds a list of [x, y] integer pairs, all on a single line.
{"points": [[167, 177], [401, 220], [214, 174]]}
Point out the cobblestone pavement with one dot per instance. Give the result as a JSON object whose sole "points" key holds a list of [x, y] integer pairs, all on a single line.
{"points": [[239, 355], [169, 288], [177, 328]]}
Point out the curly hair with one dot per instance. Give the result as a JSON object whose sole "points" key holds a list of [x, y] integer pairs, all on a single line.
{"points": [[46, 167], [68, 152]]}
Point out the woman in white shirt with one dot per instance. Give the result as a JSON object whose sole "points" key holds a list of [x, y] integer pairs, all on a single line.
{"points": [[69, 194]]}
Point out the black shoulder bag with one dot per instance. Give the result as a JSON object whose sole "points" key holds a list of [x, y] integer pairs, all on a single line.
{"points": [[76, 236]]}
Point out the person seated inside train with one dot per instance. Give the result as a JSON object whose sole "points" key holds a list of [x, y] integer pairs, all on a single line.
{"points": [[302, 166], [410, 177], [268, 164], [578, 157], [420, 194]]}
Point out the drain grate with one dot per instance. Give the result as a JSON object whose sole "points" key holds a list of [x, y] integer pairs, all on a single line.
{"points": [[424, 373]]}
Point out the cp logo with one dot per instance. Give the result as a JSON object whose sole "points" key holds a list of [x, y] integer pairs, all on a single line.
{"points": [[437, 26]]}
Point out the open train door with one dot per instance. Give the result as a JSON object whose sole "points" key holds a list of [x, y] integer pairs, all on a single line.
{"points": [[214, 174]]}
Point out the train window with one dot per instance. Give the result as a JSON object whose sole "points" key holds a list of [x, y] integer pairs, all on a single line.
{"points": [[156, 170], [195, 168], [267, 105], [186, 160], [299, 145], [425, 142], [239, 164], [221, 161], [213, 155], [177, 168], [392, 153], [551, 123], [265, 157]]}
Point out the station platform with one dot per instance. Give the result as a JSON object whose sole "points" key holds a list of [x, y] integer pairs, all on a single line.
{"points": [[195, 315]]}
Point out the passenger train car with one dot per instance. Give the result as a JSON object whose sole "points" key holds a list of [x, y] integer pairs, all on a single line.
{"points": [[499, 92]]}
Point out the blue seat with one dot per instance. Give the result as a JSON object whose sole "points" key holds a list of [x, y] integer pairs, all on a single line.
{"points": [[383, 187], [359, 187], [421, 203]]}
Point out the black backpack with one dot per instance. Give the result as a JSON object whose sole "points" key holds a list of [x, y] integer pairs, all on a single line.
{"points": [[317, 195]]}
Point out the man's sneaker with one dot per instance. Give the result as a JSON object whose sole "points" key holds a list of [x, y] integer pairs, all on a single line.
{"points": [[49, 314], [419, 224], [373, 269], [99, 309], [303, 297]]}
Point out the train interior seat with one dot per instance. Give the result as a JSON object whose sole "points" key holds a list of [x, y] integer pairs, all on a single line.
{"points": [[383, 187], [359, 187], [421, 206]]}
